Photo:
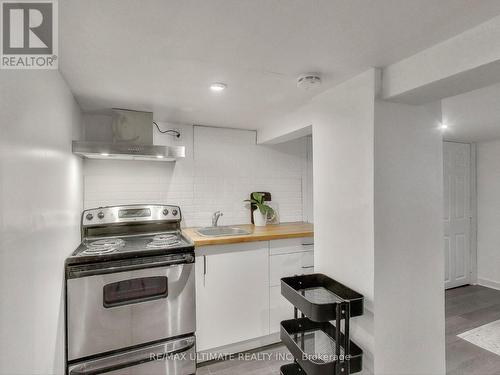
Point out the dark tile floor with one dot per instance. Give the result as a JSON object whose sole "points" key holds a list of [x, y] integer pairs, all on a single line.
{"points": [[466, 308]]}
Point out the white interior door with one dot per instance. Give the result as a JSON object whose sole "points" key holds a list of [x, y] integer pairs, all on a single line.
{"points": [[457, 213]]}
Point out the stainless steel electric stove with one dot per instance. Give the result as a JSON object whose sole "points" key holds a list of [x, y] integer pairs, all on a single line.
{"points": [[130, 293]]}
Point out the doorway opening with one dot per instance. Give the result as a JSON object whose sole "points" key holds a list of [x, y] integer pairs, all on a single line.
{"points": [[471, 170]]}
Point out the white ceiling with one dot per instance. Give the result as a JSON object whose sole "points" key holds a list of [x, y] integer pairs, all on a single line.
{"points": [[473, 116], [161, 55]]}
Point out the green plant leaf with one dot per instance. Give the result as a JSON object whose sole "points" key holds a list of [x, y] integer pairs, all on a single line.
{"points": [[265, 209], [259, 197]]}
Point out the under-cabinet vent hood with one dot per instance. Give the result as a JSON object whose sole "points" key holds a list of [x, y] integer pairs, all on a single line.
{"points": [[121, 151], [129, 136]]}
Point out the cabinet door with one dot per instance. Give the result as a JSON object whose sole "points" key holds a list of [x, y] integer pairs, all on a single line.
{"points": [[232, 294], [280, 309]]}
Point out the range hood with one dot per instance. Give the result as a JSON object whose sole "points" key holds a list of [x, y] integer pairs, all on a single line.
{"points": [[127, 136], [123, 151]]}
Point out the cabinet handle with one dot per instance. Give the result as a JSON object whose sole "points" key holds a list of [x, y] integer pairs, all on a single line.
{"points": [[307, 267], [204, 270]]}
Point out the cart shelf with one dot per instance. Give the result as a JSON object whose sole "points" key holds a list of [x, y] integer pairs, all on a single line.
{"points": [[317, 296], [314, 348]]}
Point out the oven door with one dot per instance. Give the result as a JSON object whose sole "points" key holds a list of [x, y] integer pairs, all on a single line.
{"points": [[176, 357], [133, 302]]}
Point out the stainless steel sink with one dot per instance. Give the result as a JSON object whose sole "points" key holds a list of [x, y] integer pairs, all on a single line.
{"points": [[221, 231]]}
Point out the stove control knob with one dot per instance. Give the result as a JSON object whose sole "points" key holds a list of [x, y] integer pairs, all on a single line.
{"points": [[174, 212], [165, 212], [100, 215], [89, 216]]}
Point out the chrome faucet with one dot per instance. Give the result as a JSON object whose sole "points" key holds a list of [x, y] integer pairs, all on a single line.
{"points": [[215, 218]]}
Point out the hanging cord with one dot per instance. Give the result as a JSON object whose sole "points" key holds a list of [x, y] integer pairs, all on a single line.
{"points": [[173, 133]]}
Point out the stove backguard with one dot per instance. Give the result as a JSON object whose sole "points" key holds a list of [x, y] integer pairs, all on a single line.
{"points": [[128, 229], [130, 219]]}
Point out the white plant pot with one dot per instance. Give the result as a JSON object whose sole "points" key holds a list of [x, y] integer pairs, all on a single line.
{"points": [[259, 219]]}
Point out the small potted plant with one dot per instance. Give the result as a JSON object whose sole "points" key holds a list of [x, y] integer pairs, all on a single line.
{"points": [[262, 212]]}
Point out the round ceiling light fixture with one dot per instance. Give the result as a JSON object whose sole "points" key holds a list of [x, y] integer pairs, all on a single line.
{"points": [[218, 86], [443, 126], [309, 81]]}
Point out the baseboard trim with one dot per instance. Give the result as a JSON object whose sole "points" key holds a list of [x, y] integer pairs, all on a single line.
{"points": [[488, 283]]}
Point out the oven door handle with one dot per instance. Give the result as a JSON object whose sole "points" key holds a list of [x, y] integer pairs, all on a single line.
{"points": [[148, 357], [113, 267]]}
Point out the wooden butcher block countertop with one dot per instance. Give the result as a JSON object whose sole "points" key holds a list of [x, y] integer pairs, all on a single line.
{"points": [[269, 232]]}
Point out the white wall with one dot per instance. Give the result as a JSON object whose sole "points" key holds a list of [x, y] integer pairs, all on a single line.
{"points": [[221, 168], [40, 204], [409, 259], [343, 195], [378, 220], [465, 62], [307, 184], [488, 211]]}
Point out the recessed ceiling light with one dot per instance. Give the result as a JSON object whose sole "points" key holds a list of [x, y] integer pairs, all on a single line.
{"points": [[218, 86], [443, 127], [104, 154]]}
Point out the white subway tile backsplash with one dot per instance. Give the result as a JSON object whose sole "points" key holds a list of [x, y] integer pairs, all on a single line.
{"points": [[222, 167]]}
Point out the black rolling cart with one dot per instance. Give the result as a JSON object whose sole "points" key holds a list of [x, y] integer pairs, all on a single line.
{"points": [[318, 346]]}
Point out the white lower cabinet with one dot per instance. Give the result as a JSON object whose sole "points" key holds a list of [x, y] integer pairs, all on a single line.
{"points": [[287, 257], [280, 309], [232, 293], [238, 292]]}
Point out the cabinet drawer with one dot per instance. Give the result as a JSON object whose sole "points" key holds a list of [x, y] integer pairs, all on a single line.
{"points": [[284, 265], [291, 245]]}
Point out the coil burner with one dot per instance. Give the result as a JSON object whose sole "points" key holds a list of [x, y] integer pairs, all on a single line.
{"points": [[164, 240], [104, 246]]}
